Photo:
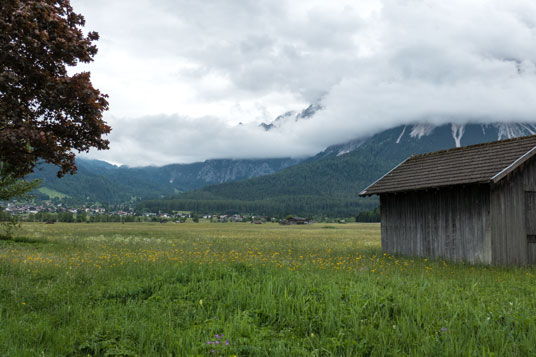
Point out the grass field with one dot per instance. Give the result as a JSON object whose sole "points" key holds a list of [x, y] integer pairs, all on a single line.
{"points": [[250, 290], [52, 193]]}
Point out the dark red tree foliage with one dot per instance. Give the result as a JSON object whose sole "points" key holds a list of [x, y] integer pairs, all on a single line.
{"points": [[45, 113]]}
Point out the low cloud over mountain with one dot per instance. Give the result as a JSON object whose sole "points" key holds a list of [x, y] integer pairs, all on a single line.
{"points": [[180, 84]]}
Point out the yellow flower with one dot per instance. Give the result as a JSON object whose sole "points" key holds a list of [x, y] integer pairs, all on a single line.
{"points": [[201, 302]]}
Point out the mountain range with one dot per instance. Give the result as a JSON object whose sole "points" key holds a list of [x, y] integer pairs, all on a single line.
{"points": [[327, 183], [99, 181], [307, 113]]}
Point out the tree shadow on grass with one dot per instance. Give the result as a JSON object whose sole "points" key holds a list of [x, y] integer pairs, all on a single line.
{"points": [[10, 239]]}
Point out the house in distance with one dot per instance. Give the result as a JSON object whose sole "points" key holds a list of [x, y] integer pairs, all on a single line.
{"points": [[475, 203]]}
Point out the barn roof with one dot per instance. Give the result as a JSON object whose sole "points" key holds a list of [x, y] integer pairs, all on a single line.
{"points": [[482, 163]]}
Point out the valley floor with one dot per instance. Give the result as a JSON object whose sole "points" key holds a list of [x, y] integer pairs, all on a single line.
{"points": [[241, 289]]}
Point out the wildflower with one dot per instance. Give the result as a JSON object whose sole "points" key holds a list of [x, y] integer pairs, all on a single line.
{"points": [[201, 302], [226, 342], [444, 329]]}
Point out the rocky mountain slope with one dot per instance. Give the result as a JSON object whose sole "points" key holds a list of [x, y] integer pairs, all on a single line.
{"points": [[452, 135], [103, 182], [325, 182], [330, 182], [307, 113]]}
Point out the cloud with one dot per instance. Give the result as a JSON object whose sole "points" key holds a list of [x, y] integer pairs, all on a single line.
{"points": [[172, 139], [441, 62], [182, 74]]}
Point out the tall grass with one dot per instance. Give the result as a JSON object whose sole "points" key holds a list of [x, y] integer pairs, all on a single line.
{"points": [[154, 289]]}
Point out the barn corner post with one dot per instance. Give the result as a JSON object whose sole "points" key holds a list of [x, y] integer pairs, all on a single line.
{"points": [[488, 241], [513, 217]]}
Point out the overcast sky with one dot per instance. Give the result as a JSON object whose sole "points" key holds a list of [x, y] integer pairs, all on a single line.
{"points": [[181, 74]]}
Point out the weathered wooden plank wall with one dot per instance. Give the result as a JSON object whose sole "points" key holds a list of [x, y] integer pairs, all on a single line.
{"points": [[451, 223], [494, 224], [530, 223], [510, 218]]}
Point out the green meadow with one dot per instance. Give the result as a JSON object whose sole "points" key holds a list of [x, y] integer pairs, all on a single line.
{"points": [[235, 289]]}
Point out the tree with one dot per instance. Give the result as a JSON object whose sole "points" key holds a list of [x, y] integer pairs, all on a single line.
{"points": [[66, 217], [9, 188], [46, 113], [81, 216]]}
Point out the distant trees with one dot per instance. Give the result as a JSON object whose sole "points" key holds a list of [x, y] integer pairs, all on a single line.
{"points": [[66, 217], [274, 207], [45, 113], [81, 216], [70, 217], [369, 216]]}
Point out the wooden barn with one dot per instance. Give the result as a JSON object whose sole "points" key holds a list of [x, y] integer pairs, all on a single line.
{"points": [[475, 203]]}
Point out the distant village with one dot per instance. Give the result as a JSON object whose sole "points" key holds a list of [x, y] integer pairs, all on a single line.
{"points": [[48, 207], [58, 212]]}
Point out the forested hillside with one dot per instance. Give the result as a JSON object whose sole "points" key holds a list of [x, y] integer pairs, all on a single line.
{"points": [[330, 182], [327, 186], [99, 181], [327, 183]]}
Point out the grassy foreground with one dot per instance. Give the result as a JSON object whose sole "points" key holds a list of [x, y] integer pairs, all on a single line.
{"points": [[250, 290]]}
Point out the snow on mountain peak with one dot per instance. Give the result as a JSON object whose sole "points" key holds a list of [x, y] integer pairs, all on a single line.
{"points": [[307, 113], [514, 130], [457, 133], [502, 130], [420, 130], [401, 135]]}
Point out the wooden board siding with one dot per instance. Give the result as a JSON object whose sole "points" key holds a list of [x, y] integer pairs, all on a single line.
{"points": [[530, 225], [449, 223], [509, 217], [530, 213]]}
